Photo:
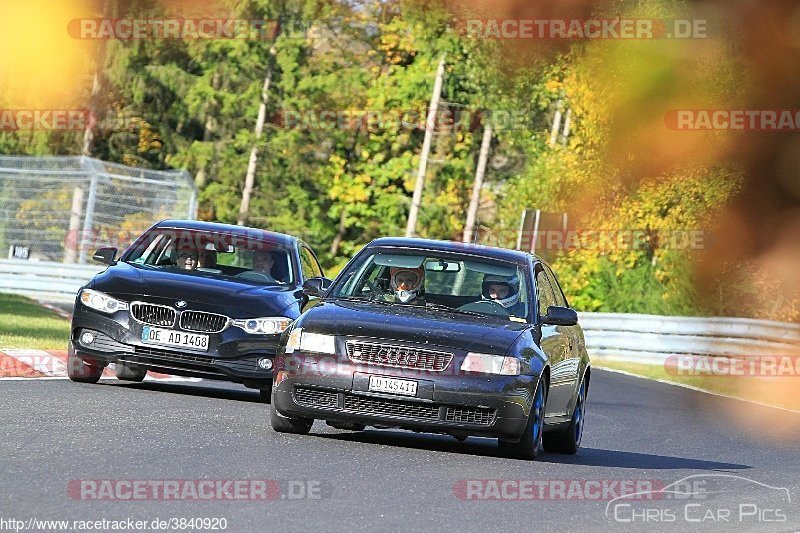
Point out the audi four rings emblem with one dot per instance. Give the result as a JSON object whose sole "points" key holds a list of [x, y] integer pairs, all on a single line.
{"points": [[397, 356]]}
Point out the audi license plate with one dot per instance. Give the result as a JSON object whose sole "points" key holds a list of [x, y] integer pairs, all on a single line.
{"points": [[404, 387], [168, 337]]}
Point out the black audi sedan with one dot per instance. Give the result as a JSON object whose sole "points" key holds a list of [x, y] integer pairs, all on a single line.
{"points": [[438, 337], [193, 299]]}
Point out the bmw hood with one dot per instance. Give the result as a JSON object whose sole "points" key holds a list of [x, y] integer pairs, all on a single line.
{"points": [[237, 299], [412, 324]]}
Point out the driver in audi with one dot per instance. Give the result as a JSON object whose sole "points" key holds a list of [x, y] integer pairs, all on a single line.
{"points": [[406, 285], [504, 291]]}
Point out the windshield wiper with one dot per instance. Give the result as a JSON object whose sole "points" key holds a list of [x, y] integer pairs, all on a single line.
{"points": [[440, 307], [359, 299]]}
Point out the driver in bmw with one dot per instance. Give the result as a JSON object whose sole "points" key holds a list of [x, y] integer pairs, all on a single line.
{"points": [[504, 291], [406, 284], [262, 263]]}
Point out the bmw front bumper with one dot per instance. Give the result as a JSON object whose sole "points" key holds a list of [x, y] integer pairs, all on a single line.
{"points": [[232, 354]]}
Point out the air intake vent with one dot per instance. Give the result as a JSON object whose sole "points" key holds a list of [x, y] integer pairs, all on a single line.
{"points": [[156, 315]]}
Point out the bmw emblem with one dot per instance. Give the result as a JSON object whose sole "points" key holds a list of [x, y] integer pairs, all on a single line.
{"points": [[180, 304]]}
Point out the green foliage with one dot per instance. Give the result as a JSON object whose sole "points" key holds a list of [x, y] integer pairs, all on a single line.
{"points": [[193, 104]]}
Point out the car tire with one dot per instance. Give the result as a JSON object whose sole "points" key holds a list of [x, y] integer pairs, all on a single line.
{"points": [[530, 445], [266, 393], [285, 424], [569, 440], [129, 372], [80, 371]]}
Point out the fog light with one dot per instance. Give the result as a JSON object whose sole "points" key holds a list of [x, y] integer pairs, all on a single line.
{"points": [[87, 338], [265, 363]]}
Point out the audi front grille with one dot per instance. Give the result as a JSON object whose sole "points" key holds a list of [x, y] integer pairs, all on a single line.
{"points": [[397, 356]]}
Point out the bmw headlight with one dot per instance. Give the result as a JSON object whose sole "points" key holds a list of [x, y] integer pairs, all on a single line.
{"points": [[102, 302], [491, 364], [263, 326], [310, 342]]}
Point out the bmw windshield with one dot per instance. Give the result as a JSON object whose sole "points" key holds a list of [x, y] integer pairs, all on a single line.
{"points": [[439, 281], [220, 255]]}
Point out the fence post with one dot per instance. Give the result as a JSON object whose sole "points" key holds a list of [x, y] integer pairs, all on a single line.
{"points": [[71, 248], [193, 204], [88, 220]]}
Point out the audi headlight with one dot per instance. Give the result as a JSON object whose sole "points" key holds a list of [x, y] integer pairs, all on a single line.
{"points": [[102, 301], [491, 364], [310, 342], [263, 326]]}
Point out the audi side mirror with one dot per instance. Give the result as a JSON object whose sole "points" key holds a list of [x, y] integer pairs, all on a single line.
{"points": [[316, 287], [560, 316], [107, 256]]}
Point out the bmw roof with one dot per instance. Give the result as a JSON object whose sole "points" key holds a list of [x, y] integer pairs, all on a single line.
{"points": [[280, 238]]}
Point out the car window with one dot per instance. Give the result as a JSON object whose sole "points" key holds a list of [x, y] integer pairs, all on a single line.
{"points": [[545, 292], [214, 254], [437, 280], [561, 300], [309, 264]]}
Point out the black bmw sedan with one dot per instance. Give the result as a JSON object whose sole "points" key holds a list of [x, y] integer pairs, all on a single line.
{"points": [[438, 337], [193, 299]]}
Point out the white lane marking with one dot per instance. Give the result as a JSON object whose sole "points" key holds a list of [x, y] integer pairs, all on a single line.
{"points": [[53, 367], [39, 360], [697, 389]]}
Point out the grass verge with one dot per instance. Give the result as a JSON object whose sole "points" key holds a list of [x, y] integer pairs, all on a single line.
{"points": [[778, 392], [26, 324]]}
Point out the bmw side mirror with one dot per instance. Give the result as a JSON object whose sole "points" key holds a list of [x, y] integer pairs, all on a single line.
{"points": [[560, 316], [107, 256], [316, 287]]}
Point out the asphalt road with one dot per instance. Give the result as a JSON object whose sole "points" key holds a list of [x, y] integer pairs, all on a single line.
{"points": [[55, 432]]}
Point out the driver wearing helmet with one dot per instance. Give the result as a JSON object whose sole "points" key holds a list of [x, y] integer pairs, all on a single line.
{"points": [[504, 291], [406, 284]]}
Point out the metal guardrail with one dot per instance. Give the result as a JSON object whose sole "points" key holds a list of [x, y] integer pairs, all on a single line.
{"points": [[56, 282], [650, 339], [646, 339]]}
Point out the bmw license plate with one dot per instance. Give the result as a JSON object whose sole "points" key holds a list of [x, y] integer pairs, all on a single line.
{"points": [[403, 387], [169, 337]]}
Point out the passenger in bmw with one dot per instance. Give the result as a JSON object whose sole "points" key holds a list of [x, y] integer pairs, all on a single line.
{"points": [[187, 260], [407, 285]]}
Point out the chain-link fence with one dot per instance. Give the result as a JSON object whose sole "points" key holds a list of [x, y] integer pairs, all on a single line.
{"points": [[62, 208]]}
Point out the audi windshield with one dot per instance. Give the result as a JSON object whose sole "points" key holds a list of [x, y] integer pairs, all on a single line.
{"points": [[445, 282]]}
